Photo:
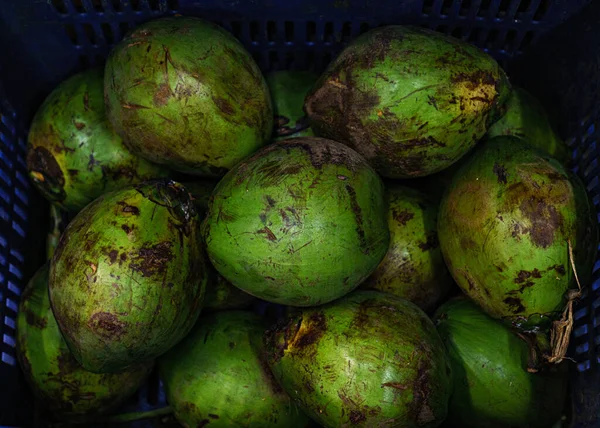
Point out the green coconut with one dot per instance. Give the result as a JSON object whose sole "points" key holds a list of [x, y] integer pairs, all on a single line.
{"points": [[288, 89], [184, 92], [370, 359], [492, 385], [411, 101], [53, 374], [217, 376], [128, 277], [73, 154], [413, 267], [508, 225], [302, 222], [525, 118]]}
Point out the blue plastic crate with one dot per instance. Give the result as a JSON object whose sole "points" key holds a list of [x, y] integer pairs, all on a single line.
{"points": [[45, 41]]}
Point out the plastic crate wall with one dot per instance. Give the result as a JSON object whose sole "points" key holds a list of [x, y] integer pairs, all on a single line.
{"points": [[46, 41]]}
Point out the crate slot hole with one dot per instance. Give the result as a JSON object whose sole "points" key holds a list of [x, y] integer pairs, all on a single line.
{"points": [[346, 31], [117, 5], [542, 10], [328, 32], [524, 6], [173, 4], [98, 5], [136, 4], [428, 7], [90, 33], [60, 6], [78, 5], [311, 31], [71, 33], [107, 32], [289, 31], [154, 4], [254, 31], [527, 40], [447, 7], [271, 31], [465, 7], [503, 9], [484, 7]]}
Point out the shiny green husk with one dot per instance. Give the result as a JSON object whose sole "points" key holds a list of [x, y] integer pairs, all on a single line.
{"points": [[183, 92], [507, 224], [412, 101], [217, 376], [526, 119], [492, 385], [413, 267], [301, 223], [73, 155], [128, 277], [54, 375], [370, 359]]}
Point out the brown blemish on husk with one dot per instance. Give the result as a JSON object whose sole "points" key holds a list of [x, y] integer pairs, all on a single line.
{"points": [[107, 325], [501, 173], [323, 153], [162, 95], [395, 385], [50, 177], [34, 320], [130, 209], [357, 211], [515, 304], [112, 255], [152, 259], [544, 218], [402, 217], [224, 106], [524, 278], [356, 417], [310, 332], [268, 234], [420, 408]]}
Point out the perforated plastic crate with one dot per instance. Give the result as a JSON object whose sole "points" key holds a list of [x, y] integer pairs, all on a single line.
{"points": [[549, 45]]}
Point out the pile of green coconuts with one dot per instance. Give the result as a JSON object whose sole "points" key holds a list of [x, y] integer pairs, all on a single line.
{"points": [[411, 215]]}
